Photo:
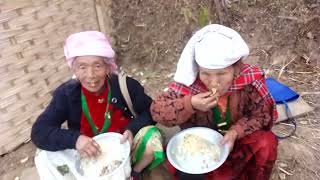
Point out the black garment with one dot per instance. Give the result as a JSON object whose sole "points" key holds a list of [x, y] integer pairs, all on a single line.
{"points": [[66, 106], [184, 176]]}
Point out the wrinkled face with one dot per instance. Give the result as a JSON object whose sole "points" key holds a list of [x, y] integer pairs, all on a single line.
{"points": [[220, 79], [91, 71]]}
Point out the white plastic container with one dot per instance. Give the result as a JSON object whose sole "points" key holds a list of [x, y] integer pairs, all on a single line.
{"points": [[48, 161], [112, 150]]}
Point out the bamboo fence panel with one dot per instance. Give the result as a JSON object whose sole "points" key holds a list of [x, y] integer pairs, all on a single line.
{"points": [[32, 34]]}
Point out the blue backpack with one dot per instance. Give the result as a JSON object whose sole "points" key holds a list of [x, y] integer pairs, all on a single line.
{"points": [[282, 94]]}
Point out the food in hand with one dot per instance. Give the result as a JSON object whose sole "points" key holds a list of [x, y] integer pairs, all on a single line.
{"points": [[213, 91]]}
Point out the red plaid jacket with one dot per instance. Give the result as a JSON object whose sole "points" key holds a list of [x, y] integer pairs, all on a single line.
{"points": [[250, 75], [174, 107]]}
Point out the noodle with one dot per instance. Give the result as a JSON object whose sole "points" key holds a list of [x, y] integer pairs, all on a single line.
{"points": [[194, 147]]}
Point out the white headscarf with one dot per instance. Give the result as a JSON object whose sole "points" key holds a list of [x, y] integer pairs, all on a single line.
{"points": [[212, 47]]}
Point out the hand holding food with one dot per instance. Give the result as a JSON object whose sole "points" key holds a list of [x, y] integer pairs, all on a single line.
{"points": [[213, 91], [205, 101]]}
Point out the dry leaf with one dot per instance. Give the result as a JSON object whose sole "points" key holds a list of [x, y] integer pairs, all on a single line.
{"points": [[24, 160], [310, 35], [282, 176], [283, 164], [304, 122]]}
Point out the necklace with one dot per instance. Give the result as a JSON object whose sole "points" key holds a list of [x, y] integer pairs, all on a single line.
{"points": [[107, 114], [223, 124]]}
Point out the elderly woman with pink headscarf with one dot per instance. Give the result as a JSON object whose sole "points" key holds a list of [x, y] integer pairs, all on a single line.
{"points": [[93, 104]]}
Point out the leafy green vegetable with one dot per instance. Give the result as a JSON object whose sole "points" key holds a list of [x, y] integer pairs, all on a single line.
{"points": [[63, 169]]}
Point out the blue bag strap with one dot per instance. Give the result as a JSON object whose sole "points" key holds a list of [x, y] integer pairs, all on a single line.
{"points": [[291, 120]]}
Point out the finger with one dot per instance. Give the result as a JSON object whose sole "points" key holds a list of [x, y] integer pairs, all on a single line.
{"points": [[205, 94], [124, 137], [83, 154], [212, 104], [97, 146], [230, 146], [91, 151], [224, 140], [214, 96], [130, 139], [209, 99], [96, 151]]}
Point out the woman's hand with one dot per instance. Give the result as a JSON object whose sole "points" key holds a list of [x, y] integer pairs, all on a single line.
{"points": [[87, 147], [204, 101], [127, 135], [229, 138]]}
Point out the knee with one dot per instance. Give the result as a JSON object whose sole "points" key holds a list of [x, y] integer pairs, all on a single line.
{"points": [[267, 148], [149, 151]]}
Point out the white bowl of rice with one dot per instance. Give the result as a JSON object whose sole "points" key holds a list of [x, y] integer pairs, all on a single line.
{"points": [[114, 161], [197, 150]]}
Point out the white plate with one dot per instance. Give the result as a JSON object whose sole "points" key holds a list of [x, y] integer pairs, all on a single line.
{"points": [[194, 166]]}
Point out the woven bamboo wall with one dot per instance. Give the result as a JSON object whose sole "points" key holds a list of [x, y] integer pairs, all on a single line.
{"points": [[32, 33]]}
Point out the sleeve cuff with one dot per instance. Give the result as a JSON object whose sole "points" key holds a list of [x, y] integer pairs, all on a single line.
{"points": [[187, 104], [75, 137], [239, 129]]}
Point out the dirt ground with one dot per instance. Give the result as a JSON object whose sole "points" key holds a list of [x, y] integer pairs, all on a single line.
{"points": [[284, 39]]}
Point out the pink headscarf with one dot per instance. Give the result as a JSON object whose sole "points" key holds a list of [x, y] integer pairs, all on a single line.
{"points": [[89, 43]]}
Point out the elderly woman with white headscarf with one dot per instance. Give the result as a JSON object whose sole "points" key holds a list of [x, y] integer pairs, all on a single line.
{"points": [[213, 88], [93, 104]]}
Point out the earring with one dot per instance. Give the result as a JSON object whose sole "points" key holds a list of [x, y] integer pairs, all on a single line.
{"points": [[74, 77]]}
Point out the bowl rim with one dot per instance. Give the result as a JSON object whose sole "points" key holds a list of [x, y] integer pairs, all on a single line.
{"points": [[117, 135], [172, 161]]}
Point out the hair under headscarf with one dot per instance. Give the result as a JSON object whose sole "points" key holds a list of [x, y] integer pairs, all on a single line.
{"points": [[87, 43]]}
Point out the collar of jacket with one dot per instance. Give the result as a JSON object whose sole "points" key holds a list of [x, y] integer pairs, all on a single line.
{"points": [[73, 91]]}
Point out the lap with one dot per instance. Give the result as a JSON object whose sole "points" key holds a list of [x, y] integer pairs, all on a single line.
{"points": [[148, 139], [260, 146]]}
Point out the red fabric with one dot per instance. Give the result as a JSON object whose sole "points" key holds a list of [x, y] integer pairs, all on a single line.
{"points": [[252, 158], [97, 110], [249, 75]]}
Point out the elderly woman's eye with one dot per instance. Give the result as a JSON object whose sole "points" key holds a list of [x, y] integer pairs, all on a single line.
{"points": [[81, 67], [98, 66], [205, 74]]}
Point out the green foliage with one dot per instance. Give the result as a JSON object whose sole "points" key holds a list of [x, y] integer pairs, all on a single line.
{"points": [[187, 15], [204, 16]]}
